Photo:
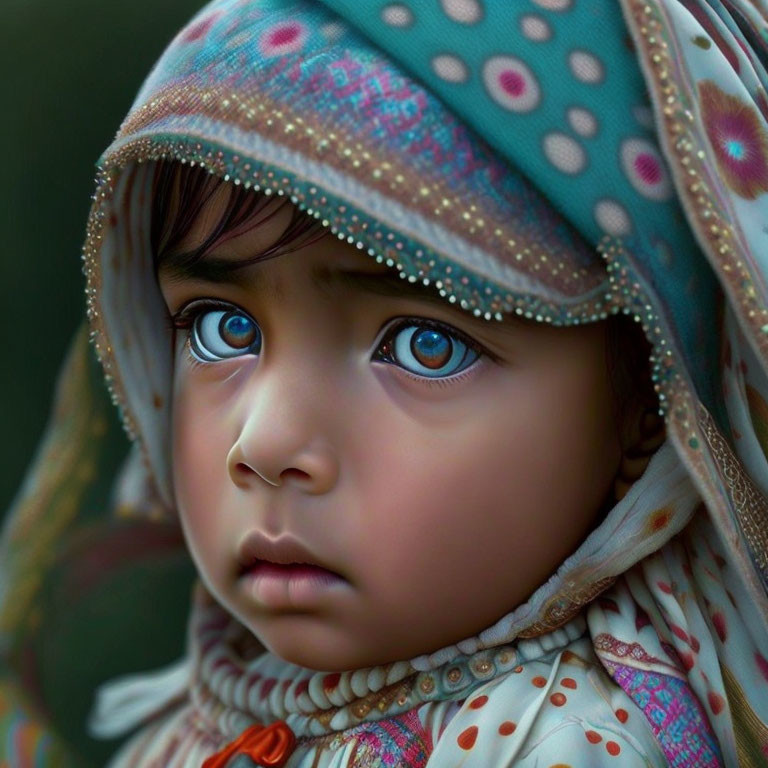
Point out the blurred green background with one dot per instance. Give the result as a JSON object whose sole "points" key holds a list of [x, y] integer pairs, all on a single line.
{"points": [[70, 71]]}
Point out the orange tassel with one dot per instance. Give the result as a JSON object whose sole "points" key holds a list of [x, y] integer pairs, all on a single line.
{"points": [[269, 746]]}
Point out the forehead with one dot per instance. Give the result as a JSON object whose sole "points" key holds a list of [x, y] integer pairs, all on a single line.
{"points": [[234, 258]]}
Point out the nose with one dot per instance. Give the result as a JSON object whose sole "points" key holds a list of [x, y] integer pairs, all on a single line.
{"points": [[283, 438]]}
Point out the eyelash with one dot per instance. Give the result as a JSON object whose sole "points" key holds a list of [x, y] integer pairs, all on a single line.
{"points": [[185, 318]]}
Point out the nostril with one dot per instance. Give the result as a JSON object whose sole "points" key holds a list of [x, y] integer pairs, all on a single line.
{"points": [[243, 468], [294, 474]]}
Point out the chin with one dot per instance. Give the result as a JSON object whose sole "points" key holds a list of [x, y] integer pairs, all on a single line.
{"points": [[307, 650]]}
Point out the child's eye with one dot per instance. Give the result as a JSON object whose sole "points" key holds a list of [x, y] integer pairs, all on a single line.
{"points": [[218, 334], [427, 348]]}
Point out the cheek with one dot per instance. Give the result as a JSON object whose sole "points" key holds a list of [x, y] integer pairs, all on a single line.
{"points": [[525, 455], [200, 449]]}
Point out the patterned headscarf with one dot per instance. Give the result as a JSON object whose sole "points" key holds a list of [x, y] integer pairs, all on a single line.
{"points": [[562, 160]]}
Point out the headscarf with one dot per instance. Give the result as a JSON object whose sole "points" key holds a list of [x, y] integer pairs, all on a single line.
{"points": [[561, 160]]}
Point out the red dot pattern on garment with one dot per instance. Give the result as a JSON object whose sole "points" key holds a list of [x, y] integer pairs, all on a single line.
{"points": [[621, 715], [593, 737], [283, 35], [612, 748], [695, 644], [468, 737], [558, 699], [716, 702], [539, 681], [659, 520], [267, 686], [568, 682], [478, 702], [762, 664], [718, 619], [331, 681], [507, 727]]}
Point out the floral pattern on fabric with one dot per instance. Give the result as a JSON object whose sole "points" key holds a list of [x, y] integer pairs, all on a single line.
{"points": [[398, 742], [677, 718]]}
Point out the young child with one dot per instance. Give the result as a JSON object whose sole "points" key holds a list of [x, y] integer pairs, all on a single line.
{"points": [[358, 278]]}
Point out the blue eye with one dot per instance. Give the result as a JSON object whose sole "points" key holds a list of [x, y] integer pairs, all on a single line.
{"points": [[427, 349], [221, 334]]}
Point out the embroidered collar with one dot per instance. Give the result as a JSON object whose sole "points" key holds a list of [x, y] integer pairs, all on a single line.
{"points": [[233, 684]]}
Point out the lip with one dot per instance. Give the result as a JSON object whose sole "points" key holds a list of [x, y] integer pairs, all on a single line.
{"points": [[291, 587], [257, 549], [282, 574]]}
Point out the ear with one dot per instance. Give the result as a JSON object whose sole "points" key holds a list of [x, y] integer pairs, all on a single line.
{"points": [[642, 434]]}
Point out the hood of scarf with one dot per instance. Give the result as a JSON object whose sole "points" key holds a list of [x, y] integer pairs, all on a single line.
{"points": [[563, 189]]}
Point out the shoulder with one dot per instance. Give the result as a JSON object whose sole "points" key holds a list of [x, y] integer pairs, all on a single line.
{"points": [[562, 710]]}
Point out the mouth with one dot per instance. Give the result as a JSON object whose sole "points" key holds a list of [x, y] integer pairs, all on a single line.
{"points": [[285, 557], [291, 586], [286, 570]]}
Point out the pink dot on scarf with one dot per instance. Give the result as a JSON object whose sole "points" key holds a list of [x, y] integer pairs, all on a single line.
{"points": [[558, 699], [331, 681], [647, 167], [762, 664], [593, 737], [621, 715], [719, 621], [664, 587], [478, 702], [507, 727], [687, 659], [467, 737], [284, 35], [512, 82], [199, 30], [612, 748]]}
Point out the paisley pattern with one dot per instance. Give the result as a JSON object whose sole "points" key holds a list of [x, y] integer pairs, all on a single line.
{"points": [[737, 139]]}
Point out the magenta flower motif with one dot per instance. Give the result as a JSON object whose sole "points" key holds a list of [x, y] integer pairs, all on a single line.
{"points": [[738, 140], [283, 37]]}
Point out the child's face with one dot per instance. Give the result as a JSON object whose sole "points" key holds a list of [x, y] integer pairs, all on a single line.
{"points": [[442, 484]]}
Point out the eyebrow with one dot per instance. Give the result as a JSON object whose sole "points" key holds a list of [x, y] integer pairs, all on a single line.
{"points": [[180, 268]]}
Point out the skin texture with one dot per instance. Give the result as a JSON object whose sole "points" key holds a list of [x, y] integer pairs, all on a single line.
{"points": [[442, 503]]}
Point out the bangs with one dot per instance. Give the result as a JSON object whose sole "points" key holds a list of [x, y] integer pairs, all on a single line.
{"points": [[180, 194]]}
